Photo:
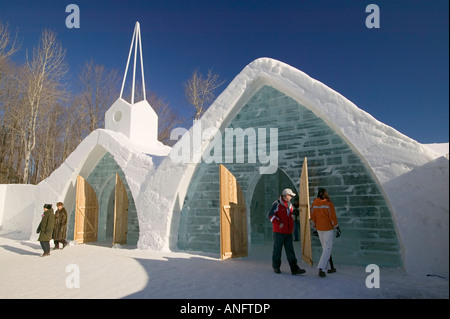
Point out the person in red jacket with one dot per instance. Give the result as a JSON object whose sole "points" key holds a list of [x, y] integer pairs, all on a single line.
{"points": [[280, 216], [323, 218]]}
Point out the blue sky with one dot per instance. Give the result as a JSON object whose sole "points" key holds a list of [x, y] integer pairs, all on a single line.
{"points": [[398, 73]]}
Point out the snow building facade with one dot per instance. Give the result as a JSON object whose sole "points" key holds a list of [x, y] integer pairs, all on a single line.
{"points": [[368, 167], [363, 212], [136, 188]]}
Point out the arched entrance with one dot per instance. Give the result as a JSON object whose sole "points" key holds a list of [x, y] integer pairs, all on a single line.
{"points": [[362, 210], [267, 190], [87, 213]]}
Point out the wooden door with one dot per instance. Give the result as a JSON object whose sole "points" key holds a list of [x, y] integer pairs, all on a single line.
{"points": [[305, 228], [120, 213], [233, 217], [86, 212]]}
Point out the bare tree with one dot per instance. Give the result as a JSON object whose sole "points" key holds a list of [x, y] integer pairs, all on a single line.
{"points": [[41, 81], [10, 144], [99, 89], [167, 118], [75, 126], [200, 91], [48, 151], [9, 96], [8, 46]]}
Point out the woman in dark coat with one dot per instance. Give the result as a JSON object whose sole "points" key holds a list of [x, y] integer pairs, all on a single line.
{"points": [[59, 233], [45, 229]]}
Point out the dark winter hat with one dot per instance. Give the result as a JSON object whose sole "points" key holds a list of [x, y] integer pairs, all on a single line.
{"points": [[48, 206], [321, 193], [59, 204]]}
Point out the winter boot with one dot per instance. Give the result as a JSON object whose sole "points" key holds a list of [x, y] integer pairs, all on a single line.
{"points": [[332, 269], [296, 270]]}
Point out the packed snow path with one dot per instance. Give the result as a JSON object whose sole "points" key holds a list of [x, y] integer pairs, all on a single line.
{"points": [[105, 272]]}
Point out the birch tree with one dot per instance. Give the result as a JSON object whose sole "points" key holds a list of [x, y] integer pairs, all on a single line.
{"points": [[9, 96], [99, 89], [8, 45], [200, 91], [41, 81]]}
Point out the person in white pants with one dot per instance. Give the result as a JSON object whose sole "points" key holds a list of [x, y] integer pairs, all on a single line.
{"points": [[323, 218], [326, 240]]}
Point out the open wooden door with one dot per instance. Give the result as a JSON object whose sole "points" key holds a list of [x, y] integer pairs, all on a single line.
{"points": [[233, 217], [86, 212], [305, 228], [120, 213]]}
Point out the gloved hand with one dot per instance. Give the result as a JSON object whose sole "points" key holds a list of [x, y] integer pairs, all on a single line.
{"points": [[338, 232]]}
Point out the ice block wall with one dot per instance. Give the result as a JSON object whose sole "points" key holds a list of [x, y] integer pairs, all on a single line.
{"points": [[368, 231]]}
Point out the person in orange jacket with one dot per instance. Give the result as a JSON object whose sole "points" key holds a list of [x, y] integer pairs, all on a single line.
{"points": [[323, 218]]}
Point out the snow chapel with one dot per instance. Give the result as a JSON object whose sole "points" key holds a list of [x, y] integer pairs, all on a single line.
{"points": [[122, 186]]}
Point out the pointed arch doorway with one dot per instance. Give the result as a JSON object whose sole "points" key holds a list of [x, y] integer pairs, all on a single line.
{"points": [[87, 212], [267, 190]]}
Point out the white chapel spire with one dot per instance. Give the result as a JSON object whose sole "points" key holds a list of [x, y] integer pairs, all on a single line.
{"points": [[137, 121]]}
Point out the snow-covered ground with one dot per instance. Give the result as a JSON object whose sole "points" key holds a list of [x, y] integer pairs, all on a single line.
{"points": [[104, 272]]}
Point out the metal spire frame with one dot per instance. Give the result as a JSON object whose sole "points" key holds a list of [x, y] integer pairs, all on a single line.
{"points": [[136, 38]]}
